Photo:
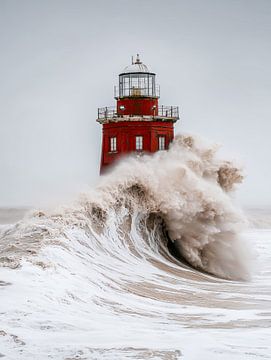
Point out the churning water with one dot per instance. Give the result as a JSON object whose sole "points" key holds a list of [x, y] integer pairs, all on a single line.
{"points": [[155, 263]]}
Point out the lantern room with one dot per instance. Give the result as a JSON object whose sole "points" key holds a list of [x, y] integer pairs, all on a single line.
{"points": [[137, 80], [137, 123], [137, 92]]}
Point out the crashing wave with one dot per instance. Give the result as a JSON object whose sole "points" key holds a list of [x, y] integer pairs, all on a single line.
{"points": [[173, 202]]}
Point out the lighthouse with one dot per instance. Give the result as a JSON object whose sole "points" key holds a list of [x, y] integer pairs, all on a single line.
{"points": [[138, 123]]}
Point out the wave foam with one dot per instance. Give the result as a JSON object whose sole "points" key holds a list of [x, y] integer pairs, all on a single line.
{"points": [[185, 191]]}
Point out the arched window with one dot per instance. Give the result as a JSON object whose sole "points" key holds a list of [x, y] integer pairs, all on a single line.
{"points": [[139, 143], [161, 142], [113, 144]]}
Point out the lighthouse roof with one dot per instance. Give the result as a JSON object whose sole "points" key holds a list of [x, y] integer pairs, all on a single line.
{"points": [[136, 67]]}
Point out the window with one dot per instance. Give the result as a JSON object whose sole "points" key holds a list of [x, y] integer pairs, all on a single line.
{"points": [[161, 143], [113, 144], [137, 84], [139, 142]]}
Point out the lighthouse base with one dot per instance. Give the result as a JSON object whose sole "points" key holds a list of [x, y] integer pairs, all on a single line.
{"points": [[123, 137]]}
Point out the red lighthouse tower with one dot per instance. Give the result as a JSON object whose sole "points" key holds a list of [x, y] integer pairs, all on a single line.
{"points": [[138, 123]]}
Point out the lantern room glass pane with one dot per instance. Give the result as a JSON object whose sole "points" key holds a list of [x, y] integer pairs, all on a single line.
{"points": [[138, 84]]}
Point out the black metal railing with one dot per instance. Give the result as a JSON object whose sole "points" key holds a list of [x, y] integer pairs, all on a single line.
{"points": [[107, 113], [168, 112]]}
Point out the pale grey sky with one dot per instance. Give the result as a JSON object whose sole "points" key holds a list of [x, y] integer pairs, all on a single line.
{"points": [[60, 59]]}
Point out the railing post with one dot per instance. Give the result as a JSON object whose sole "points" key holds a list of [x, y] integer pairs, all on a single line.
{"points": [[171, 111]]}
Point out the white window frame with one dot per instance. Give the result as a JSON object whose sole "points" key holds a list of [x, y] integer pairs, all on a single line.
{"points": [[139, 143], [113, 144], [161, 142]]}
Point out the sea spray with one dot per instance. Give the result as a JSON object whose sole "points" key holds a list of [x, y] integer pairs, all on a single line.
{"points": [[188, 187], [185, 191]]}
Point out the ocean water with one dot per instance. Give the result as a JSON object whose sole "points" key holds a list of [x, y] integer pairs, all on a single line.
{"points": [[156, 262]]}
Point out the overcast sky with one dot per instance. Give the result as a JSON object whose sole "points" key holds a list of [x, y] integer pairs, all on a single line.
{"points": [[59, 61]]}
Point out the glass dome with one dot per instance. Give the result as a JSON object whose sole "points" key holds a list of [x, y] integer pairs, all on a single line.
{"points": [[136, 66], [137, 80]]}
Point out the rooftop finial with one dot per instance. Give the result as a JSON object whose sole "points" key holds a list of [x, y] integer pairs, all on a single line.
{"points": [[137, 59]]}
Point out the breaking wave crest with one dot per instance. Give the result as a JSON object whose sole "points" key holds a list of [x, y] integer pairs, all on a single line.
{"points": [[174, 204]]}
